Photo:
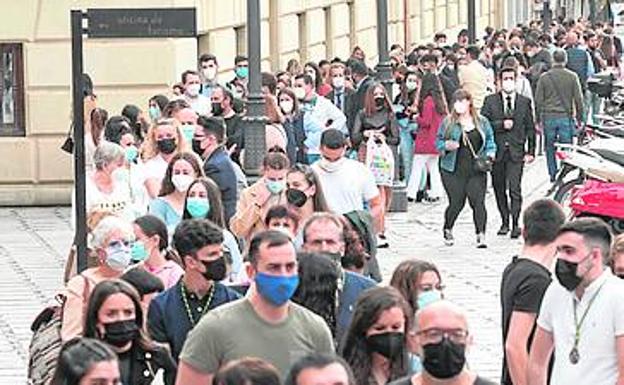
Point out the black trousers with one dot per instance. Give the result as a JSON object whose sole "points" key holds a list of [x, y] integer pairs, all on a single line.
{"points": [[460, 185], [507, 181]]}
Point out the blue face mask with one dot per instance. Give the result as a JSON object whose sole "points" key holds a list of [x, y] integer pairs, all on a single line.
{"points": [[154, 112], [138, 252], [188, 131], [428, 297], [277, 289], [198, 207], [242, 72], [131, 153], [275, 186], [118, 258]]}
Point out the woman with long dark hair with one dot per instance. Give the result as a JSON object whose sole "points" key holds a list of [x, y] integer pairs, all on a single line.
{"points": [[375, 346], [312, 69], [462, 137], [431, 111], [418, 281], [293, 125], [304, 192], [406, 112], [115, 316], [86, 361]]}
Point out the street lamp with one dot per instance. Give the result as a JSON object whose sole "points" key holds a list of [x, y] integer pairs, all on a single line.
{"points": [[472, 21], [384, 76], [254, 120]]}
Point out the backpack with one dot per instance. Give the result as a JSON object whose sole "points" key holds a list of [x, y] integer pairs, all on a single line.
{"points": [[46, 343]]}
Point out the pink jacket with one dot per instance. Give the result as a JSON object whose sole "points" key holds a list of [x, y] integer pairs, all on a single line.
{"points": [[428, 123]]}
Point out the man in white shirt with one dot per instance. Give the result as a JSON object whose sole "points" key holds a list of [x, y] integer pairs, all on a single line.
{"points": [[582, 315], [346, 183], [192, 85], [473, 77]]}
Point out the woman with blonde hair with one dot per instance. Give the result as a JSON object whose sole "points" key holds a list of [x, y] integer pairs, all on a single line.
{"points": [[163, 141], [465, 140]]}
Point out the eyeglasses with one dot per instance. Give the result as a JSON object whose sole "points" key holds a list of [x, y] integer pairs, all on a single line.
{"points": [[435, 335]]}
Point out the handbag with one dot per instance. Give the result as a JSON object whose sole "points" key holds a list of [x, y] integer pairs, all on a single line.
{"points": [[482, 163], [380, 161], [68, 144]]}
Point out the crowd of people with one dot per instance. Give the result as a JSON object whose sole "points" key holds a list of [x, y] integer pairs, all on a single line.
{"points": [[208, 279]]}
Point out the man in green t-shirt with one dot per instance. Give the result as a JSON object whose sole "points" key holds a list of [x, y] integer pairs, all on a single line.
{"points": [[265, 324]]}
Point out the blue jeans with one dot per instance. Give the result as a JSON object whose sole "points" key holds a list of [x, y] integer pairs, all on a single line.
{"points": [[406, 148], [560, 130]]}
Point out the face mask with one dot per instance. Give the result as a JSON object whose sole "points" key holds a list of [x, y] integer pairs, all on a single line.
{"points": [[411, 85], [299, 93], [497, 51], [198, 207], [193, 89], [138, 252], [379, 102], [119, 333], [182, 182], [389, 344], [242, 72], [188, 130], [428, 297], [277, 289], [330, 166], [530, 54], [296, 197], [509, 86], [118, 258], [338, 82], [460, 107], [154, 112], [166, 146], [445, 359], [131, 154], [217, 110], [210, 73], [275, 186], [566, 274], [215, 270], [196, 144], [287, 106]]}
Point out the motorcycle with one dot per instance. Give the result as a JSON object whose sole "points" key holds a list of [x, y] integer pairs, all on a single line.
{"points": [[604, 200]]}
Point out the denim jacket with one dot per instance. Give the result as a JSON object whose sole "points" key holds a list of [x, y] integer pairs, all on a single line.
{"points": [[449, 158]]}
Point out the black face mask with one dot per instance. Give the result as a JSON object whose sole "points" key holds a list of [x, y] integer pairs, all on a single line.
{"points": [[166, 146], [445, 359], [296, 197], [215, 270], [379, 102], [197, 147], [119, 333], [566, 274], [217, 110], [389, 345]]}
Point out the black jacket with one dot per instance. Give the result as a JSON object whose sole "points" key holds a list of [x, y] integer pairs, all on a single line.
{"points": [[220, 169], [356, 102], [143, 365], [523, 130], [348, 94]]}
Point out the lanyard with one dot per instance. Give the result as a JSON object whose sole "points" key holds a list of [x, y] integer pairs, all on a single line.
{"points": [[574, 353]]}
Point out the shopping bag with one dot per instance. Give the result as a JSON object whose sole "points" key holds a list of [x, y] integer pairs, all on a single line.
{"points": [[380, 161]]}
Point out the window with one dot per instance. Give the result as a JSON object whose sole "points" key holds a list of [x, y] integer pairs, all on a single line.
{"points": [[241, 40], [303, 37], [329, 33], [11, 90]]}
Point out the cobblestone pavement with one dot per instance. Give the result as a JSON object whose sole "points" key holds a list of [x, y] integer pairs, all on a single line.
{"points": [[34, 243]]}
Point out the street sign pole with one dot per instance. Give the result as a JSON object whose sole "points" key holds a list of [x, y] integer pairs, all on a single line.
{"points": [[80, 237], [472, 21]]}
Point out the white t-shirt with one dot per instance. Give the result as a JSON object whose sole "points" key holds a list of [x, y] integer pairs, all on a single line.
{"points": [[347, 188], [598, 364], [155, 168]]}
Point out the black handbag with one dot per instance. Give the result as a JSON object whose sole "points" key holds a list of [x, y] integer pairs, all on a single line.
{"points": [[68, 144], [482, 163]]}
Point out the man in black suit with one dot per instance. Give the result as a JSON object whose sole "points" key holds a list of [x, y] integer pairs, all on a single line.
{"points": [[361, 78], [209, 144], [511, 116], [340, 93]]}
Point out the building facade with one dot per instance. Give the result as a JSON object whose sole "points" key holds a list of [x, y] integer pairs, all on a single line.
{"points": [[35, 64]]}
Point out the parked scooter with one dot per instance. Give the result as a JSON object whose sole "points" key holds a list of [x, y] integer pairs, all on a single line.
{"points": [[596, 198]]}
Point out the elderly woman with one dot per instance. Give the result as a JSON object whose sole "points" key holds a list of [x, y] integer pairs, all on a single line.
{"points": [[104, 192], [111, 240]]}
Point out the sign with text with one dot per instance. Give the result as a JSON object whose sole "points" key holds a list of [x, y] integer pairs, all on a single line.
{"points": [[141, 23]]}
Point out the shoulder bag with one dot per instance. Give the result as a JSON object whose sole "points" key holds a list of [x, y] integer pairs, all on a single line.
{"points": [[482, 163]]}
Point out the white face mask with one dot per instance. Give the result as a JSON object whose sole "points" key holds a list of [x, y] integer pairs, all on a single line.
{"points": [[287, 106], [210, 73], [331, 166], [461, 107], [181, 181], [299, 93], [508, 86], [338, 81], [411, 85], [193, 89]]}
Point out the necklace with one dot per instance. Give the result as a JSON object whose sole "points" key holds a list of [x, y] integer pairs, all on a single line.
{"points": [[188, 308], [574, 356]]}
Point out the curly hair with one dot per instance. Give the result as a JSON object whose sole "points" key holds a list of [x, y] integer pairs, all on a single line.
{"points": [[193, 234], [354, 349]]}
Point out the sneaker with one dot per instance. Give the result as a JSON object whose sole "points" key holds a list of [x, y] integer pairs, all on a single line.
{"points": [[448, 237], [382, 242], [431, 200], [481, 241]]}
